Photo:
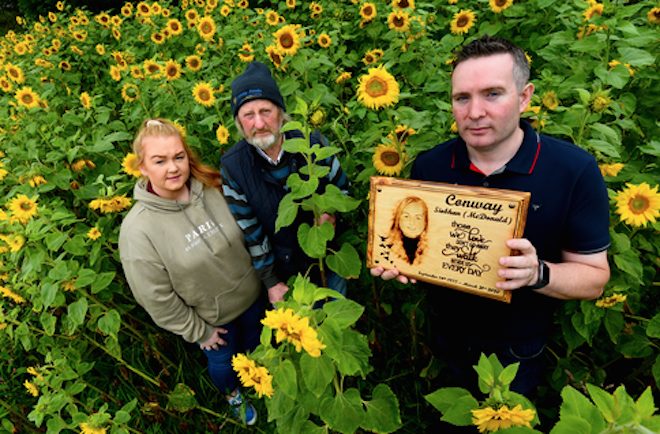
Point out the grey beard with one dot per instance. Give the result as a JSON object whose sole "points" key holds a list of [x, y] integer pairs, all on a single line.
{"points": [[263, 143]]}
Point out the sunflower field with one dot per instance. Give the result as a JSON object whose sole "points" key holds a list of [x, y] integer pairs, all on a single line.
{"points": [[78, 354]]}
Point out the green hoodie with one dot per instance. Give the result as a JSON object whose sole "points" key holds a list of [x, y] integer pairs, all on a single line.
{"points": [[186, 263]]}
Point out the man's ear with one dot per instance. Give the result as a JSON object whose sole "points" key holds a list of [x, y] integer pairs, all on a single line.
{"points": [[526, 96]]}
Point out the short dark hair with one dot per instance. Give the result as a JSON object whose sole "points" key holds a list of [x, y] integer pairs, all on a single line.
{"points": [[489, 45]]}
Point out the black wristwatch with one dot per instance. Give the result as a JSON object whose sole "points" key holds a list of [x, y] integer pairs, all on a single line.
{"points": [[544, 276]]}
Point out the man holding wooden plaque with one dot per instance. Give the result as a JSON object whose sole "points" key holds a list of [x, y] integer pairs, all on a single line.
{"points": [[562, 254]]}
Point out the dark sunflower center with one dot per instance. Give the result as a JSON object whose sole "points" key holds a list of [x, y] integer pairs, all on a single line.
{"points": [[390, 158], [368, 11], [206, 28], [500, 3], [403, 4], [462, 21], [204, 95], [398, 22], [26, 206], [376, 87], [286, 40], [27, 99]]}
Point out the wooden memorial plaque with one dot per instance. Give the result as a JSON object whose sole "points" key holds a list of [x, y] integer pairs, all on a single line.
{"points": [[444, 234]]}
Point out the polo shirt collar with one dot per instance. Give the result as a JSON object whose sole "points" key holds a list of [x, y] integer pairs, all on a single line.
{"points": [[523, 162]]}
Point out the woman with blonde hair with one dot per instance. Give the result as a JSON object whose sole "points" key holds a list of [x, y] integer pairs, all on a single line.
{"points": [[408, 233], [185, 259]]}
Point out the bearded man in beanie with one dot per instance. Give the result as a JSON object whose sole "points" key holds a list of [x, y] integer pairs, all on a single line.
{"points": [[254, 175]]}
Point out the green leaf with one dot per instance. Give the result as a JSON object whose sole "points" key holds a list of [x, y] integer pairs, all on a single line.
{"points": [[614, 323], [645, 407], [442, 399], [85, 277], [296, 145], [344, 413], [48, 293], [604, 147], [323, 152], [460, 412], [55, 240], [313, 240], [486, 373], [279, 405], [286, 212], [351, 353], [48, 322], [652, 147], [285, 379], [604, 401], [572, 425], [508, 374], [181, 399], [109, 323], [636, 56], [653, 327], [333, 200], [344, 312], [102, 280], [382, 411], [317, 373], [299, 188], [345, 262], [76, 312], [630, 263], [575, 404]]}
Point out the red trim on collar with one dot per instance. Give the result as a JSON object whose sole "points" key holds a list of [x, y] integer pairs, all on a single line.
{"points": [[453, 160], [476, 169], [536, 157]]}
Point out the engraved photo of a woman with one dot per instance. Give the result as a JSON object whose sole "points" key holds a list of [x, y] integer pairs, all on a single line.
{"points": [[408, 233]]}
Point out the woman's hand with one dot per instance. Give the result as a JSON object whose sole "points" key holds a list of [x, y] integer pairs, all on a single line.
{"points": [[215, 341]]}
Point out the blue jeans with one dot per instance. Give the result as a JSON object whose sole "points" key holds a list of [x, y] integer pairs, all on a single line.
{"points": [[242, 335]]}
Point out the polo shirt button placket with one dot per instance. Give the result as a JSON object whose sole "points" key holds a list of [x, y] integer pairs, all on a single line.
{"points": [[486, 183]]}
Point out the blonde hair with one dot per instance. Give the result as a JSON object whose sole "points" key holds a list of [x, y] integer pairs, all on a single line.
{"points": [[205, 174], [396, 235]]}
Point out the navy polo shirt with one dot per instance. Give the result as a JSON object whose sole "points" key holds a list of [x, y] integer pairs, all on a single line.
{"points": [[569, 210]]}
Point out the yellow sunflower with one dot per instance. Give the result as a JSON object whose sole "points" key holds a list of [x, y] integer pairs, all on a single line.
{"points": [[600, 101], [490, 419], [5, 84], [23, 208], [60, 6], [27, 97], [222, 134], [130, 92], [206, 28], [498, 6], [343, 77], [151, 68], [378, 88], [15, 73], [611, 169], [203, 94], [368, 12], [387, 160], [194, 62], [291, 4], [399, 21], [638, 204], [192, 16], [100, 49], [136, 72], [8, 293], [654, 15], [115, 72], [175, 26], [157, 38], [143, 9], [88, 428], [172, 70], [275, 56], [324, 40], [21, 48], [272, 18], [372, 56], [403, 4], [462, 21], [85, 100], [550, 100], [594, 9], [287, 40], [94, 233]]}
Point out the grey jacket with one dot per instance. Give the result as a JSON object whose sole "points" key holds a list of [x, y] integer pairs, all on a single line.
{"points": [[186, 263]]}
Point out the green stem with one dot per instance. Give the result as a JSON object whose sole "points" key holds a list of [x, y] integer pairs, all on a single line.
{"points": [[123, 362]]}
